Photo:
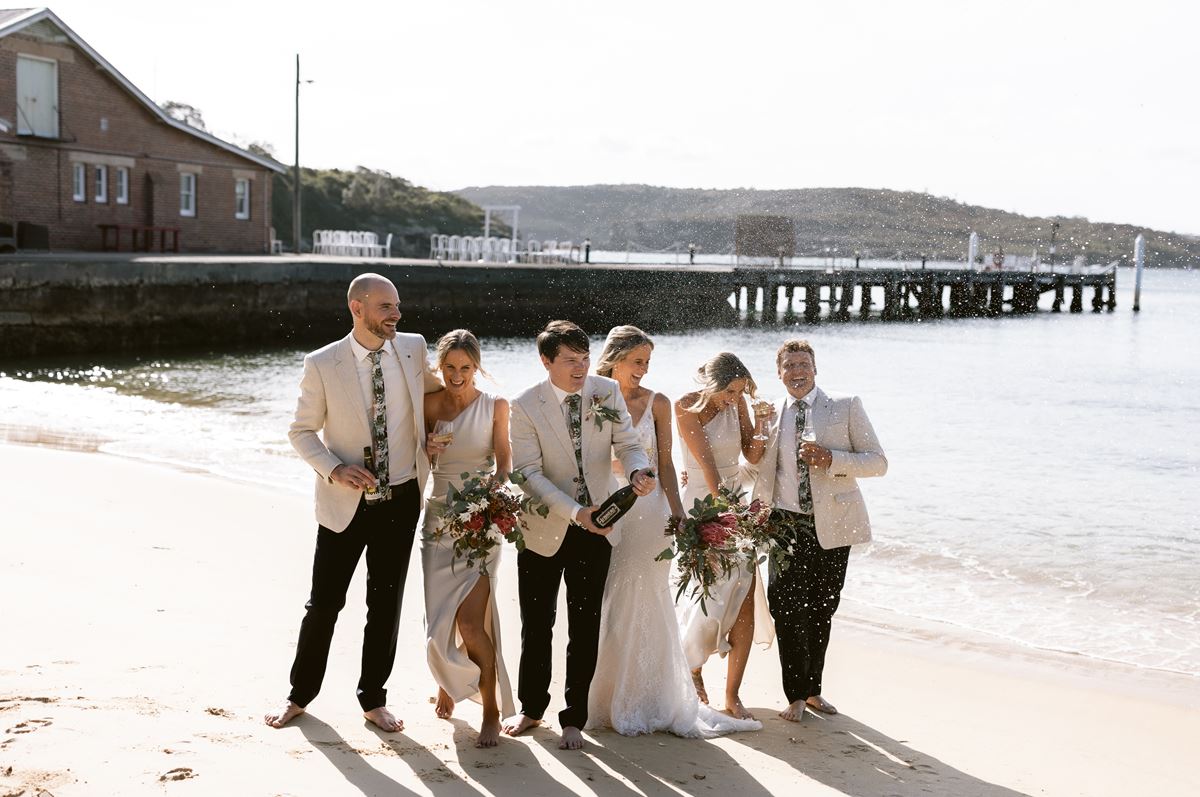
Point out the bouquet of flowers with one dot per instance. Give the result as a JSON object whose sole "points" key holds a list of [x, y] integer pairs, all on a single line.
{"points": [[481, 514], [720, 534]]}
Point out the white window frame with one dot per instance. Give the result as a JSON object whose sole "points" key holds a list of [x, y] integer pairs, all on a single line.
{"points": [[79, 182], [187, 194], [101, 183], [122, 191], [241, 198], [23, 128]]}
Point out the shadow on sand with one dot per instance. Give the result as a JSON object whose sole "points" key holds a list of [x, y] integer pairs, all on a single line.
{"points": [[844, 754]]}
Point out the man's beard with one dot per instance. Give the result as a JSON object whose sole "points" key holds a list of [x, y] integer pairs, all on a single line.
{"points": [[380, 331]]}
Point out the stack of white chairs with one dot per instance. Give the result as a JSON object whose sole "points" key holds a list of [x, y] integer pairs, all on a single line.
{"points": [[355, 243]]}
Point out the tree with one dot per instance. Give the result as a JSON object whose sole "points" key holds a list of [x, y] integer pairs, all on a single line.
{"points": [[182, 112]]}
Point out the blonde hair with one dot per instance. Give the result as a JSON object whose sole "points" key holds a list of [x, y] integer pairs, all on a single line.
{"points": [[717, 374], [463, 340], [620, 341]]}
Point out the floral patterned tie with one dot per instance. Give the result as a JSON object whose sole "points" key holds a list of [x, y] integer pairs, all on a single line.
{"points": [[379, 426], [805, 496], [575, 427]]}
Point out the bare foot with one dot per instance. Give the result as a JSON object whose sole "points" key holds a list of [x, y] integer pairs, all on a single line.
{"points": [[698, 682], [445, 705], [515, 726], [794, 712], [572, 739], [489, 732], [277, 719], [734, 708], [818, 703], [383, 719]]}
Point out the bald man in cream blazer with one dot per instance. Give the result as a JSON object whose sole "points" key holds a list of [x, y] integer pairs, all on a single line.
{"points": [[813, 487], [365, 390]]}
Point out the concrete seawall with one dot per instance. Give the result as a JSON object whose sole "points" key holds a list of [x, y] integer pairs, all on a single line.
{"points": [[75, 304]]}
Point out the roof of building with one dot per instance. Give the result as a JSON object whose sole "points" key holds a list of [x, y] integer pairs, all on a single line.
{"points": [[13, 20]]}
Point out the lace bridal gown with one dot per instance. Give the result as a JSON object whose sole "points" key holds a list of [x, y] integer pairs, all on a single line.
{"points": [[642, 682]]}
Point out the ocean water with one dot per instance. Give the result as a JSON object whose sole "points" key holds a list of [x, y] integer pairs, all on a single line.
{"points": [[1043, 482]]}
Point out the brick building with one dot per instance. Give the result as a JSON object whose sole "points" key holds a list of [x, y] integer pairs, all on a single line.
{"points": [[81, 146]]}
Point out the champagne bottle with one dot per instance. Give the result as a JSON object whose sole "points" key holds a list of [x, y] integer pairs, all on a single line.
{"points": [[372, 493], [616, 505]]}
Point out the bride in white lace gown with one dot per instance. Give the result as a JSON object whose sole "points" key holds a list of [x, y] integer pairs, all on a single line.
{"points": [[642, 683]]}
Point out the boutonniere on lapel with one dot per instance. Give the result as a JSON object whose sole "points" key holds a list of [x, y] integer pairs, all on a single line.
{"points": [[601, 412]]}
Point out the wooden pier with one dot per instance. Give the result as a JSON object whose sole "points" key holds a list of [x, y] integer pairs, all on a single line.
{"points": [[909, 294]]}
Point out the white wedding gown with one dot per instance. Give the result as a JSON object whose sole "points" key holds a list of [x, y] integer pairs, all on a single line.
{"points": [[642, 683]]}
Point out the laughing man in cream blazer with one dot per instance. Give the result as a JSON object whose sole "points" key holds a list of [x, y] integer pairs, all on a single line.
{"points": [[565, 544], [813, 486], [363, 391]]}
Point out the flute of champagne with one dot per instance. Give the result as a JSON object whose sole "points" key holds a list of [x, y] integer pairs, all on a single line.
{"points": [[443, 432], [762, 410]]}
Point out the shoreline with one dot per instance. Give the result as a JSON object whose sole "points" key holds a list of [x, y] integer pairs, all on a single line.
{"points": [[150, 619], [852, 611]]}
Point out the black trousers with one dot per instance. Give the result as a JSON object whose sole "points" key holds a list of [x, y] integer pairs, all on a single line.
{"points": [[582, 562], [803, 599], [386, 533]]}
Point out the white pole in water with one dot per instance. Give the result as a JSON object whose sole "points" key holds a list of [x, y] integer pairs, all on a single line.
{"points": [[972, 250], [1139, 259]]}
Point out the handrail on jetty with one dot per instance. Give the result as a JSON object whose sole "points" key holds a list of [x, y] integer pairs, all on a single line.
{"points": [[917, 293]]}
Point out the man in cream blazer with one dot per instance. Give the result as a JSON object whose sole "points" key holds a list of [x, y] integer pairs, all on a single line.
{"points": [[565, 433], [363, 391], [813, 487]]}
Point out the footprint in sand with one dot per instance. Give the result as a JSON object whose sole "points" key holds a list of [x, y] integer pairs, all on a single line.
{"points": [[29, 726], [179, 773], [217, 712]]}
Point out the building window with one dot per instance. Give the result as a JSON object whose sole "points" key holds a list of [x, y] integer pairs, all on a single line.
{"points": [[37, 97], [101, 183], [241, 198], [187, 194], [79, 182], [122, 185]]}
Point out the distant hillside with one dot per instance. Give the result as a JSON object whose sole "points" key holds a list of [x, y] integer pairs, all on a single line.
{"points": [[882, 223], [372, 201]]}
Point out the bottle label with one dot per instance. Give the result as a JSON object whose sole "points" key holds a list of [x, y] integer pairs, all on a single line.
{"points": [[607, 515]]}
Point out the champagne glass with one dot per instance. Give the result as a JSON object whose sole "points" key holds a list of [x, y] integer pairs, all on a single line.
{"points": [[762, 410], [807, 434], [443, 433]]}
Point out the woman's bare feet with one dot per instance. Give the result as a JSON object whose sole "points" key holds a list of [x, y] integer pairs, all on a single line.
{"points": [[572, 739], [489, 732], [515, 726], [277, 719], [445, 705], [794, 712], [383, 719], [734, 708], [698, 682]]}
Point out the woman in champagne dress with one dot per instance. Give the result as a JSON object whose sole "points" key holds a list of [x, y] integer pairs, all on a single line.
{"points": [[717, 430], [461, 625], [642, 683]]}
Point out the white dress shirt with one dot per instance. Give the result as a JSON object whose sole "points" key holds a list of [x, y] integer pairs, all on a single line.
{"points": [[402, 444], [787, 477]]}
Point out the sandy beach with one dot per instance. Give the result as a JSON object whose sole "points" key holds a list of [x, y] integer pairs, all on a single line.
{"points": [[149, 618]]}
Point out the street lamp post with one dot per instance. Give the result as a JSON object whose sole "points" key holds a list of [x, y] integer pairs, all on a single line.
{"points": [[296, 167]]}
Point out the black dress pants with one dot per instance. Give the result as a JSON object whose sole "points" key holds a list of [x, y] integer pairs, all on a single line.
{"points": [[803, 599], [386, 532], [581, 561]]}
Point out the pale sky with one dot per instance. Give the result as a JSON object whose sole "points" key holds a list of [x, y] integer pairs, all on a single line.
{"points": [[1053, 107]]}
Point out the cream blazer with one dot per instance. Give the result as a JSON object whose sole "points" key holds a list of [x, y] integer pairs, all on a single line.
{"points": [[332, 404], [842, 426], [543, 453]]}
